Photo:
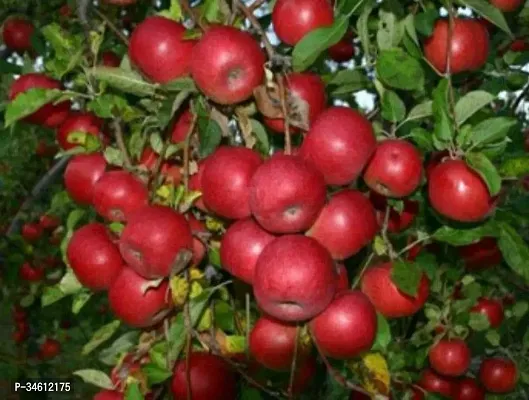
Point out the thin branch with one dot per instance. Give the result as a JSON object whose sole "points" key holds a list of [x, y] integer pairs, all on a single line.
{"points": [[364, 267], [387, 242], [412, 245], [186, 151], [293, 365], [257, 26], [256, 4], [116, 124], [284, 109], [189, 10], [112, 27]]}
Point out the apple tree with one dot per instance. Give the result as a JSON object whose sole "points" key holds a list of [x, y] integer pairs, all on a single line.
{"points": [[310, 199]]}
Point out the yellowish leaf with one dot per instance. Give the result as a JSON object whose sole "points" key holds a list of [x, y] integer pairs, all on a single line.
{"points": [[179, 290], [205, 321], [214, 224], [373, 372]]}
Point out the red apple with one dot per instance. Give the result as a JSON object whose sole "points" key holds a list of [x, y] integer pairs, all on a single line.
{"points": [[347, 327], [226, 181], [136, 301], [109, 395], [30, 273], [433, 383], [241, 246], [481, 255], [31, 231], [195, 184], [182, 126], [117, 194], [339, 143], [49, 222], [343, 278], [17, 34], [519, 45], [210, 378], [272, 343], [199, 248], [65, 11], [19, 337], [450, 357], [227, 64], [395, 170], [158, 48], [93, 257], [152, 239], [306, 87], [458, 192], [506, 5], [492, 309], [468, 389], [80, 122], [346, 224], [469, 45], [387, 298], [286, 194], [170, 172], [293, 19], [295, 278], [498, 375], [397, 222], [110, 59], [49, 349], [81, 175], [48, 115], [344, 50]]}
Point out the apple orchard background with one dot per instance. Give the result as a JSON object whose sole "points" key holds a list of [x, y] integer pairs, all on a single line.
{"points": [[222, 200]]}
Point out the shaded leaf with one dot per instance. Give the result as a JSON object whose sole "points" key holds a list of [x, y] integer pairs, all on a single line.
{"points": [[100, 336], [383, 338], [515, 250], [399, 70], [490, 12], [406, 276], [28, 102], [95, 377], [393, 108], [462, 237], [127, 81], [471, 103], [515, 167], [484, 167]]}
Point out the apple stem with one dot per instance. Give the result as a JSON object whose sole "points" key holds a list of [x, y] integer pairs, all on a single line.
{"points": [[389, 246], [293, 365], [284, 109], [116, 124]]}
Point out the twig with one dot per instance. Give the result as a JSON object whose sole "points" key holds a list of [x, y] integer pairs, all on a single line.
{"points": [[373, 113], [293, 365], [284, 110], [412, 245], [112, 27], [366, 264], [189, 10], [186, 151], [384, 233], [189, 332], [257, 26], [256, 4], [116, 124]]}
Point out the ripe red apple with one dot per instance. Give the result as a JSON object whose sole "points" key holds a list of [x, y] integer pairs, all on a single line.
{"points": [[293, 19], [295, 278], [80, 122], [519, 45], [136, 302], [469, 45], [307, 87], [347, 327], [481, 255], [81, 175], [458, 192], [343, 278], [170, 172], [158, 48], [110, 59], [433, 383], [49, 349], [48, 115], [241, 246], [272, 343], [339, 143], [152, 239], [344, 50], [387, 298], [397, 222], [492, 309], [17, 34], [210, 378], [506, 5], [182, 126], [49, 222], [226, 181], [498, 375], [93, 257], [31, 231], [286, 194], [117, 194], [199, 248], [227, 64], [395, 170], [109, 395], [346, 224], [468, 389], [31, 273], [450, 357]]}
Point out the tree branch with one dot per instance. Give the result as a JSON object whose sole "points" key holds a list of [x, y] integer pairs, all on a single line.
{"points": [[284, 109], [120, 141], [112, 27]]}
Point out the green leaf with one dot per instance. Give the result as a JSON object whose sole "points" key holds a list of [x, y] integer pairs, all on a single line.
{"points": [[113, 156], [463, 237], [126, 81], [493, 337], [363, 30], [390, 31], [517, 167], [422, 138], [133, 392], [422, 110], [393, 108], [73, 218], [443, 129], [180, 84], [347, 81], [121, 345], [209, 134], [174, 12], [28, 102], [79, 300], [471, 103], [51, 294], [100, 336], [383, 338], [399, 70], [250, 393], [95, 377], [156, 374], [514, 250], [308, 49], [409, 26], [424, 21], [484, 167], [109, 105], [478, 322], [491, 130], [520, 308], [156, 143], [489, 12], [262, 137], [406, 276], [9, 68]]}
